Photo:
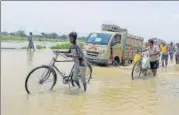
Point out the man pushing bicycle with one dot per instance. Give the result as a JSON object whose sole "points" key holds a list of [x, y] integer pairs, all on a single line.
{"points": [[77, 54]]}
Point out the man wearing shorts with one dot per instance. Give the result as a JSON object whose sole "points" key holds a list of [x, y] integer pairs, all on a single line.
{"points": [[154, 52]]}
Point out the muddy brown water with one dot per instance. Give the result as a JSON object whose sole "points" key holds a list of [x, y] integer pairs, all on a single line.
{"points": [[111, 90]]}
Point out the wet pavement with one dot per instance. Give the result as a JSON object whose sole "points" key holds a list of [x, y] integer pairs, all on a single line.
{"points": [[111, 90]]}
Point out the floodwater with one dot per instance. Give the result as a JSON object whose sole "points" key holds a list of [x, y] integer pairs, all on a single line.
{"points": [[19, 45], [111, 90]]}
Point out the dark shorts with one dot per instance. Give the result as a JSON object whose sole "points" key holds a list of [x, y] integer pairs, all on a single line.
{"points": [[154, 64]]}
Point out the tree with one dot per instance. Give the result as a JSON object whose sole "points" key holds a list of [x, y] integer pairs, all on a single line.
{"points": [[63, 36], [12, 34], [4, 33], [44, 35], [82, 38], [21, 33], [54, 35]]}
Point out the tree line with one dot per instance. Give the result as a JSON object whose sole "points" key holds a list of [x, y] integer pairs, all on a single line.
{"points": [[44, 35]]}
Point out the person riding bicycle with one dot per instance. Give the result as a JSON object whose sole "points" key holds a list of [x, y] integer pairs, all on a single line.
{"points": [[77, 54]]}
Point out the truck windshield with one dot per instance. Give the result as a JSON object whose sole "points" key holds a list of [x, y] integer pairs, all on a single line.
{"points": [[99, 38]]}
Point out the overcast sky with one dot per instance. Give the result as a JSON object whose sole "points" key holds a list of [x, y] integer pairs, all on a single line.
{"points": [[145, 18]]}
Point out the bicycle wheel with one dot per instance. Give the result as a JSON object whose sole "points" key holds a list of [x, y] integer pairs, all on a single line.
{"points": [[136, 70], [89, 73], [47, 79]]}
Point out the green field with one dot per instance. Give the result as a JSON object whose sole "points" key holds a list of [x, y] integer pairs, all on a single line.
{"points": [[16, 38], [57, 46], [65, 45]]}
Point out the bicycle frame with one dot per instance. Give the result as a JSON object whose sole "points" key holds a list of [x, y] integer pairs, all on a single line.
{"points": [[52, 66], [54, 60]]}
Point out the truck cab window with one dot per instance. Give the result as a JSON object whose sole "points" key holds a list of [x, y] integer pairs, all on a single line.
{"points": [[117, 38]]}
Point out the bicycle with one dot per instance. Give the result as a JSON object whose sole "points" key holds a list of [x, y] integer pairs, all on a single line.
{"points": [[51, 69], [140, 68]]}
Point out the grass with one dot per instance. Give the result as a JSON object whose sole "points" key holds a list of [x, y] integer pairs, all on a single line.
{"points": [[64, 46], [13, 38], [57, 46], [40, 47], [24, 47], [22, 39]]}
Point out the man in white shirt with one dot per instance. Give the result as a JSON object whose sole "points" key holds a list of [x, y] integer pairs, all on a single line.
{"points": [[154, 52]]}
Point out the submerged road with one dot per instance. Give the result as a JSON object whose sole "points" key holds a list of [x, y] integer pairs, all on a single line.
{"points": [[111, 91]]}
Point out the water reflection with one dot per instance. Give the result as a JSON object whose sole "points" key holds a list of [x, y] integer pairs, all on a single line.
{"points": [[30, 56]]}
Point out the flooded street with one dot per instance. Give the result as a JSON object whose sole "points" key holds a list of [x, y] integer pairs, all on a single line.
{"points": [[20, 45], [111, 91]]}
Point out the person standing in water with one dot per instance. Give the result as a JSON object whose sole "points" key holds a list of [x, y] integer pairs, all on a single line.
{"points": [[31, 43], [177, 54], [154, 52], [77, 54], [164, 50], [171, 50]]}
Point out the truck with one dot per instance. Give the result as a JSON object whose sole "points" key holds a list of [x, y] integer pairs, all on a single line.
{"points": [[112, 46]]}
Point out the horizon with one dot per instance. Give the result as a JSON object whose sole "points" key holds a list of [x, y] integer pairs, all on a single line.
{"points": [[147, 19]]}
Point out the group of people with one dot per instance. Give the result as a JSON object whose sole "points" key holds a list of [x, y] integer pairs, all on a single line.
{"points": [[168, 50], [154, 52]]}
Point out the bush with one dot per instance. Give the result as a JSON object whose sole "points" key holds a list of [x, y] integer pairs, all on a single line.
{"points": [[40, 47], [64, 46], [81, 44], [25, 47]]}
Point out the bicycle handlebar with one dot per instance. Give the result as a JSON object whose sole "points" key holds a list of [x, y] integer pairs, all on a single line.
{"points": [[59, 53]]}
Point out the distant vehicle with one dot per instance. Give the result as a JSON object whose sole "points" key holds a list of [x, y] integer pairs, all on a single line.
{"points": [[112, 45]]}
